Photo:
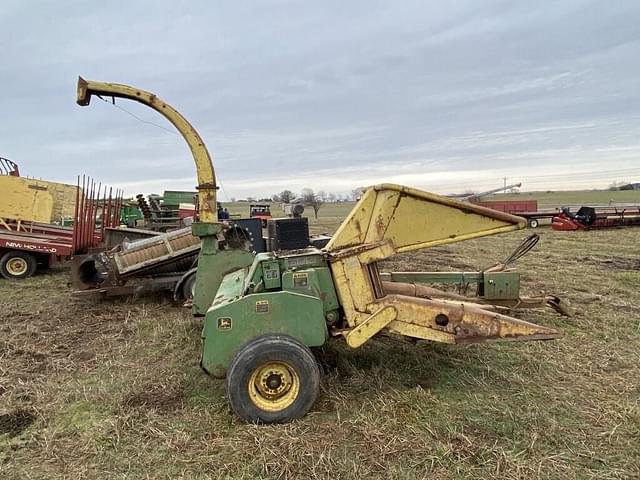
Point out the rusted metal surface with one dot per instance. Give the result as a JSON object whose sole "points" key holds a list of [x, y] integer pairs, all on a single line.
{"points": [[423, 291], [97, 208], [140, 285], [134, 266], [451, 322]]}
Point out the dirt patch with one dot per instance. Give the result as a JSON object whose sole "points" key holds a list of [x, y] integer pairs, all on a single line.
{"points": [[163, 398], [16, 422]]}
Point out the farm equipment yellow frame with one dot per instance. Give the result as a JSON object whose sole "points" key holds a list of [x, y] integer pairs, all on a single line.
{"points": [[391, 219]]}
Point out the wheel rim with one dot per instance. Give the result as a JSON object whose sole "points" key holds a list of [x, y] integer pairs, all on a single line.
{"points": [[17, 266], [274, 386]]}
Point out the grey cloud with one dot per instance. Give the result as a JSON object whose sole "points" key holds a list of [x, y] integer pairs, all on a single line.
{"points": [[304, 89]]}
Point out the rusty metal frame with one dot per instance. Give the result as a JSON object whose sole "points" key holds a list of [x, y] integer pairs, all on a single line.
{"points": [[93, 204]]}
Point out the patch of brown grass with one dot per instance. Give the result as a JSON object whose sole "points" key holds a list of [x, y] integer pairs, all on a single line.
{"points": [[114, 389]]}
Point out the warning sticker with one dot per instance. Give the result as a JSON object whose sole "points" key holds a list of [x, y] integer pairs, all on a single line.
{"points": [[300, 279], [262, 306]]}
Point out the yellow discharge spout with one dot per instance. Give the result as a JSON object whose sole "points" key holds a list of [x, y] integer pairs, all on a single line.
{"points": [[204, 166]]}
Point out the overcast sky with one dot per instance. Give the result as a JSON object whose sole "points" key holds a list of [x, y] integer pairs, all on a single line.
{"points": [[444, 96]]}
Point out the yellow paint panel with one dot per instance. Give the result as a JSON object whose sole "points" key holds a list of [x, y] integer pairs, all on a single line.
{"points": [[418, 331], [358, 283], [412, 219], [353, 229], [32, 200], [417, 222], [369, 327], [344, 294]]}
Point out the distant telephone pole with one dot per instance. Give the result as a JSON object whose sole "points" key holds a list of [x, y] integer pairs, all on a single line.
{"points": [[505, 185]]}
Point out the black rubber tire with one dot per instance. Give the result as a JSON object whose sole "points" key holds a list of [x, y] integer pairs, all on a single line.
{"points": [[188, 286], [258, 352], [533, 223], [30, 260]]}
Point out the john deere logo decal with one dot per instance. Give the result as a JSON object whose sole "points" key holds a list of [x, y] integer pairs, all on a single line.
{"points": [[224, 323]]}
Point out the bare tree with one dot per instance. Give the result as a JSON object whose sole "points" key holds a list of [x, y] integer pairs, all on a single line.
{"points": [[309, 198], [286, 196], [356, 193]]}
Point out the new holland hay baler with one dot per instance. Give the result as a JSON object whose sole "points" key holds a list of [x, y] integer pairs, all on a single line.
{"points": [[263, 313]]}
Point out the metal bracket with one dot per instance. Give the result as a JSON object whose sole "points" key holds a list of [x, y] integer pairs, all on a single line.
{"points": [[372, 325]]}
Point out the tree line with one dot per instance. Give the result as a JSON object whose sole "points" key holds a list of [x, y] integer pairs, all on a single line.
{"points": [[308, 198]]}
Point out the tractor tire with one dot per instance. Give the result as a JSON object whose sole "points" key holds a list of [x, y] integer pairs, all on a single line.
{"points": [[533, 223], [188, 287], [16, 265], [273, 379]]}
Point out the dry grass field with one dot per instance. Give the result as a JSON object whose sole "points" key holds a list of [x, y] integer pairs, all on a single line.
{"points": [[113, 389]]}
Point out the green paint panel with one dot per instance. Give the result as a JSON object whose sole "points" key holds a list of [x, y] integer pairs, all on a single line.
{"points": [[176, 197], [213, 265], [501, 285], [202, 230], [232, 287], [231, 323], [271, 274], [311, 257], [316, 282], [130, 213], [289, 294], [255, 272]]}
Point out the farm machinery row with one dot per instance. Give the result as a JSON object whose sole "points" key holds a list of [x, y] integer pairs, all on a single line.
{"points": [[561, 218], [263, 312], [29, 238], [590, 218]]}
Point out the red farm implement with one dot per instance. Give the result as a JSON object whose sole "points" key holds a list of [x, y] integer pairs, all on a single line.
{"points": [[589, 218], [523, 208], [26, 245]]}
